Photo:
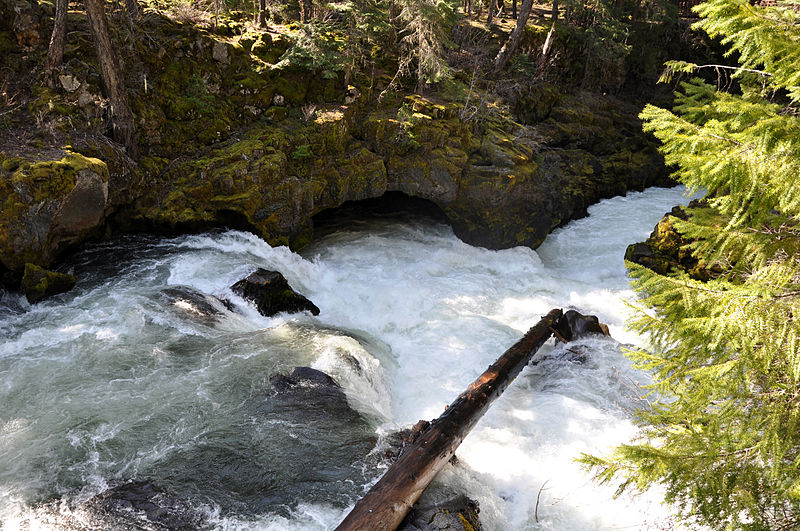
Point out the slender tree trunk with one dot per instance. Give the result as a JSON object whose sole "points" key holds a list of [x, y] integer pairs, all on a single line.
{"points": [[514, 8], [121, 115], [491, 14], [55, 53], [512, 43], [554, 15], [420, 37], [306, 9], [262, 13]]}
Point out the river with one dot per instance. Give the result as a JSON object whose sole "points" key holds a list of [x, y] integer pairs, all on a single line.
{"points": [[120, 379]]}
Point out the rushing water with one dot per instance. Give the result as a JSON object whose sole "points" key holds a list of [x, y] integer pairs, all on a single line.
{"points": [[120, 379]]}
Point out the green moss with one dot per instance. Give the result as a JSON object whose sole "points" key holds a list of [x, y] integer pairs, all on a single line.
{"points": [[39, 283], [10, 164], [467, 525], [303, 151]]}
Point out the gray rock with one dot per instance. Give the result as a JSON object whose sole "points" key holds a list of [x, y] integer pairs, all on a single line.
{"points": [[70, 83], [220, 53], [458, 514]]}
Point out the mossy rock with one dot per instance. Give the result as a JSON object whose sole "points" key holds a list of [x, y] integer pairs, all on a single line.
{"points": [[45, 206], [666, 251], [534, 103], [39, 283]]}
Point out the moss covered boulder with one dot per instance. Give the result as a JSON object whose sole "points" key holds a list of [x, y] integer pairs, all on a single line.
{"points": [[666, 251], [47, 206], [39, 283]]}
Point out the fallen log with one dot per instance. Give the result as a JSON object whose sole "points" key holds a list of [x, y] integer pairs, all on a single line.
{"points": [[390, 499]]}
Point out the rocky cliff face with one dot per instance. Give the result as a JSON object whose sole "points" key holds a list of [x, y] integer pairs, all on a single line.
{"points": [[229, 136]]}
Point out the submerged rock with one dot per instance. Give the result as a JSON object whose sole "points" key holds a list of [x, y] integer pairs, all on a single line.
{"points": [[142, 505], [194, 303], [39, 283], [458, 514], [574, 325], [307, 384], [271, 294], [136, 506]]}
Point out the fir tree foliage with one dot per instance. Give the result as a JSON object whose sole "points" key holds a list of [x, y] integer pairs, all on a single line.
{"points": [[427, 25], [723, 433]]}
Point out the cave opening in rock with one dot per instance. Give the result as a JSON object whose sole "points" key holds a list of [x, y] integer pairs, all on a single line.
{"points": [[390, 206]]}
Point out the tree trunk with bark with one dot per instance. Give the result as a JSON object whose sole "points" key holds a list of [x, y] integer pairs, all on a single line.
{"points": [[55, 52], [554, 13], [490, 17], [121, 115], [389, 500], [512, 43], [306, 10]]}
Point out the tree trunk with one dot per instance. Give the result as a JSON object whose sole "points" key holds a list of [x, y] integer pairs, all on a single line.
{"points": [[554, 14], [514, 8], [55, 52], [491, 14], [121, 115], [262, 13], [306, 10], [389, 500], [511, 44]]}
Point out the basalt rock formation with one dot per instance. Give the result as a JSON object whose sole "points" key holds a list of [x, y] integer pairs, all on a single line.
{"points": [[231, 136]]}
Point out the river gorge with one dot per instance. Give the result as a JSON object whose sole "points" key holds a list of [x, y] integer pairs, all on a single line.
{"points": [[141, 373]]}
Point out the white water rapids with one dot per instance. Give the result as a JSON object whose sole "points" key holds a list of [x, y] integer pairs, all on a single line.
{"points": [[115, 381]]}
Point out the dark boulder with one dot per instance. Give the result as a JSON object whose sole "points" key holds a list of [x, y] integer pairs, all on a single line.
{"points": [[135, 506], [307, 385], [142, 505], [399, 440], [574, 325], [271, 294], [458, 514], [39, 283]]}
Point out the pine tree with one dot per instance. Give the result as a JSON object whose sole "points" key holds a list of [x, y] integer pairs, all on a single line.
{"points": [[724, 436], [427, 33]]}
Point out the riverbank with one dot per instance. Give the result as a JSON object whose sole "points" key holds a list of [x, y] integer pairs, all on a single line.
{"points": [[232, 134]]}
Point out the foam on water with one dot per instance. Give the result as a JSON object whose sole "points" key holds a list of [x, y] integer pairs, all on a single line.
{"points": [[112, 382]]}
